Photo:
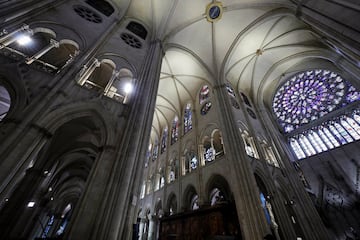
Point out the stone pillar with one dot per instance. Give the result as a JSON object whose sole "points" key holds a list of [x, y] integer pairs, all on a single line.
{"points": [[250, 214], [152, 227]]}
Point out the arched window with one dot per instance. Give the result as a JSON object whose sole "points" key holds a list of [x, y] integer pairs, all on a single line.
{"points": [[205, 108], [269, 154], [204, 94], [172, 170], [344, 122], [216, 197], [245, 99], [175, 130], [232, 96], [155, 152], [142, 192], [148, 155], [5, 102], [297, 148], [194, 204], [217, 143], [62, 55], [164, 140], [98, 74], [150, 184], [120, 85], [250, 147], [209, 151], [187, 118], [172, 204], [191, 161]]}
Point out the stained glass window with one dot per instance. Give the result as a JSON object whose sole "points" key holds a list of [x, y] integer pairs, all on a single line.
{"points": [[148, 155], [187, 118], [175, 130], [191, 161], [164, 140], [204, 94], [209, 152], [357, 117], [325, 139], [230, 90], [318, 140], [194, 202], [155, 150], [333, 133], [331, 137], [311, 95], [205, 108], [343, 132], [297, 148], [314, 143], [354, 124], [349, 129]]}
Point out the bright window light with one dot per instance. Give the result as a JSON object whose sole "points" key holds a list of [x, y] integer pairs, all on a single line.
{"points": [[128, 88], [31, 204], [23, 40]]}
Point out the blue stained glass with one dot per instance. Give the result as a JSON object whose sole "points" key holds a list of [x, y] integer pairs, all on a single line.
{"points": [[155, 150], [311, 95], [206, 108], [204, 94], [187, 118], [175, 130], [164, 140]]}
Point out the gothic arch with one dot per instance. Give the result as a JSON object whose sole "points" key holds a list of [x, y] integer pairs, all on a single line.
{"points": [[220, 182], [188, 194], [172, 204]]}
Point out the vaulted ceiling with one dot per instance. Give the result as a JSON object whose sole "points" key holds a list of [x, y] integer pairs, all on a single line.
{"points": [[253, 45]]}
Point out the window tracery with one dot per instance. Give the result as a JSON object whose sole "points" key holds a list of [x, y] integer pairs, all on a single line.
{"points": [[311, 95], [331, 134]]}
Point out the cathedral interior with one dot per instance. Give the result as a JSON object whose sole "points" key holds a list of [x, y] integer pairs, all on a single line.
{"points": [[169, 119]]}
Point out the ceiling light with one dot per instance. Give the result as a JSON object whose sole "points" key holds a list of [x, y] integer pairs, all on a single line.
{"points": [[24, 40], [31, 204]]}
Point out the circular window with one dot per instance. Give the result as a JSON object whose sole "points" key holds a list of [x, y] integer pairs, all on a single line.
{"points": [[311, 95], [87, 14], [131, 40], [214, 11]]}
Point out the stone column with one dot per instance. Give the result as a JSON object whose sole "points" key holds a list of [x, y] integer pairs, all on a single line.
{"points": [[152, 227], [86, 71], [250, 214]]}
